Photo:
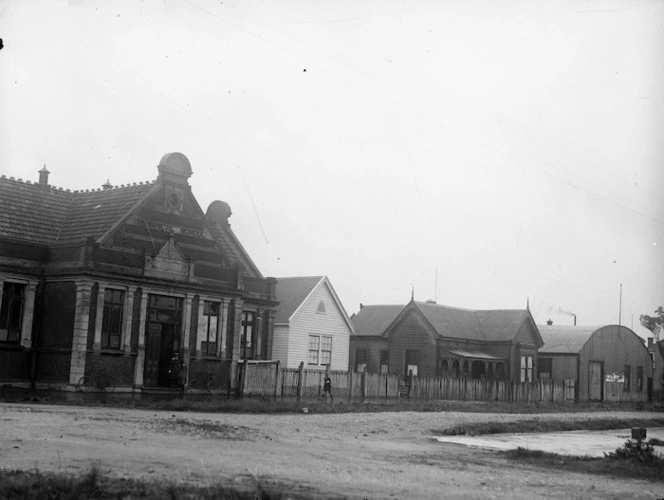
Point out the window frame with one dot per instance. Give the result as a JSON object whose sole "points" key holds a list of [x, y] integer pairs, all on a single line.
{"points": [[363, 361], [211, 339], [110, 308], [526, 368], [384, 356], [7, 305], [248, 349], [316, 353], [541, 364], [639, 379]]}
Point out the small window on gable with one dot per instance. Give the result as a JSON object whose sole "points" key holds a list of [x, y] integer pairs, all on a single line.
{"points": [[321, 307]]}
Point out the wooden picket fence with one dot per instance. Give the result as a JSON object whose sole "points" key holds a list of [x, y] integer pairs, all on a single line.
{"points": [[466, 389], [268, 378]]}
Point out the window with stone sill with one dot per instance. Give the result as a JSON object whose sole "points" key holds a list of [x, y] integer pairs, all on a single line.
{"points": [[11, 312]]}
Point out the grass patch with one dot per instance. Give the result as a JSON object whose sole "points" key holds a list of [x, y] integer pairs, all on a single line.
{"points": [[28, 485], [224, 404], [622, 463], [536, 425]]}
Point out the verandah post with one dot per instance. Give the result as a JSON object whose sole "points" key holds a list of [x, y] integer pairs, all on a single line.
{"points": [[364, 385]]}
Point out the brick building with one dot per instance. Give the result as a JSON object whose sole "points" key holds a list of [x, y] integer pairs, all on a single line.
{"points": [[125, 280]]}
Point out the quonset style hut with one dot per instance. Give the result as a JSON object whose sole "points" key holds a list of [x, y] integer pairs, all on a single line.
{"points": [[609, 363], [126, 280]]}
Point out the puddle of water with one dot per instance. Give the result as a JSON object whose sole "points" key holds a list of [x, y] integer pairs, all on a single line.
{"points": [[583, 443]]}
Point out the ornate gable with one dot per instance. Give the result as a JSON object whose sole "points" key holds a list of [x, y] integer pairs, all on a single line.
{"points": [[169, 263]]}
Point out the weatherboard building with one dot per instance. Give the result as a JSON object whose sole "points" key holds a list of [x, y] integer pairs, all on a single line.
{"points": [[125, 280]]}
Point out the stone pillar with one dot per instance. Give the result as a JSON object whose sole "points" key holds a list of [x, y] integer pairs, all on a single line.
{"points": [[28, 313], [269, 318], [140, 358], [80, 333], [96, 343], [238, 306], [257, 346], [201, 331], [186, 325], [128, 319], [223, 324]]}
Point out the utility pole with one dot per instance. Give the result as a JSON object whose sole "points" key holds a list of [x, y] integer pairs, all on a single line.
{"points": [[620, 308]]}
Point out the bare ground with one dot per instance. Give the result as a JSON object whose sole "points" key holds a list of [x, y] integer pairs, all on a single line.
{"points": [[356, 455]]}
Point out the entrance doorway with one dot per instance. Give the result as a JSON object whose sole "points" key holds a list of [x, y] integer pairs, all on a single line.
{"points": [[163, 332], [595, 380]]}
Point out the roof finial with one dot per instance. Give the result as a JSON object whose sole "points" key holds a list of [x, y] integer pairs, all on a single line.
{"points": [[412, 293]]}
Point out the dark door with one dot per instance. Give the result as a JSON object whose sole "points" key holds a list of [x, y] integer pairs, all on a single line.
{"points": [[162, 344]]}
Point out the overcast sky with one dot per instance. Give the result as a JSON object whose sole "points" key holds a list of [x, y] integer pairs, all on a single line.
{"points": [[513, 149]]}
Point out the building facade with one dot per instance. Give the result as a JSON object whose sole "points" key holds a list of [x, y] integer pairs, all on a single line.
{"points": [[311, 325], [428, 339], [609, 363], [128, 281]]}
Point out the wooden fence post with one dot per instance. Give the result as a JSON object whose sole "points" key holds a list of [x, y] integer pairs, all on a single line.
{"points": [[300, 376], [276, 379], [350, 386], [410, 383], [364, 385]]}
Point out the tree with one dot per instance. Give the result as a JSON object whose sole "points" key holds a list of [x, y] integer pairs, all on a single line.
{"points": [[655, 325]]}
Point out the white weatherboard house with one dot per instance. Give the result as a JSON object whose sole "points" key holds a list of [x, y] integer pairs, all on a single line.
{"points": [[310, 325]]}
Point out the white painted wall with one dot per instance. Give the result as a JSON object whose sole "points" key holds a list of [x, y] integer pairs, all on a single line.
{"points": [[308, 321]]}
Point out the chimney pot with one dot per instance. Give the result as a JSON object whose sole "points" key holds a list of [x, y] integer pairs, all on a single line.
{"points": [[43, 176]]}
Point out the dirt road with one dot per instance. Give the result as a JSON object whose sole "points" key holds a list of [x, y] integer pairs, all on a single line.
{"points": [[376, 455]]}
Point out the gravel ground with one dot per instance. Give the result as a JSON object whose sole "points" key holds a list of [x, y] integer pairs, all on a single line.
{"points": [[355, 455]]}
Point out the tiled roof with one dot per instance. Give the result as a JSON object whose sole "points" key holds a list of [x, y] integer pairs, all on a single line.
{"points": [[233, 249], [374, 320], [95, 212], [48, 215], [561, 339], [291, 292]]}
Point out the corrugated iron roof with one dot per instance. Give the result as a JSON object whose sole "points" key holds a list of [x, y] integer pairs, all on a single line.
{"points": [[291, 292], [374, 320], [563, 339], [482, 325], [472, 354]]}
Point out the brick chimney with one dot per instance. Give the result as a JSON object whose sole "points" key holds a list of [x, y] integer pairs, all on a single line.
{"points": [[43, 176]]}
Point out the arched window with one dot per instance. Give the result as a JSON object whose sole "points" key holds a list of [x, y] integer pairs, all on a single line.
{"points": [[455, 368]]}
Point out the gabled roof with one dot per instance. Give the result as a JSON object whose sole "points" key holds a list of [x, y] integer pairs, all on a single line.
{"points": [[374, 320], [47, 215], [293, 292], [563, 339], [480, 325]]}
